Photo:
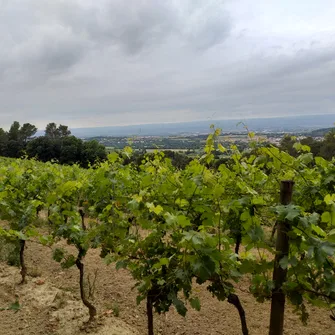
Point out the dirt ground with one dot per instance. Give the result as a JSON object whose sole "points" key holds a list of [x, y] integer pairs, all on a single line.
{"points": [[51, 305]]}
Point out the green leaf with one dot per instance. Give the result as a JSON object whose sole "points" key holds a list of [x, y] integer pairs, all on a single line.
{"points": [[328, 248], [182, 202], [139, 299], [12, 307], [183, 221], [163, 261], [180, 307], [170, 218], [319, 231], [68, 262], [284, 262], [113, 157], [295, 298], [258, 200], [329, 199], [321, 162], [325, 217], [245, 216], [128, 151], [121, 264], [154, 209], [15, 306], [195, 303], [306, 158], [251, 134], [158, 209], [221, 148], [58, 255], [161, 282]]}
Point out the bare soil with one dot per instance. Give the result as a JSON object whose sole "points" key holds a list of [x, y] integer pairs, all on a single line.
{"points": [[51, 305]]}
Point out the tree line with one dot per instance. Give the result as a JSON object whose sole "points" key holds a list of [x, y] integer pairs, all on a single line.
{"points": [[57, 144], [324, 148]]}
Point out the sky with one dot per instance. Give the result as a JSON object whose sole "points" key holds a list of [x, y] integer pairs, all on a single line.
{"points": [[89, 63]]}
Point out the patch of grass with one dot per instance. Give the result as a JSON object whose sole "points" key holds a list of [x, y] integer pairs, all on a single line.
{"points": [[41, 222], [10, 251], [114, 307], [35, 272]]}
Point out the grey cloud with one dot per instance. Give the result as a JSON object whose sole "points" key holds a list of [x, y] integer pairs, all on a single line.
{"points": [[30, 48], [106, 62], [130, 24], [210, 34], [55, 35], [56, 51], [134, 26], [42, 39], [257, 92], [208, 26], [305, 60], [231, 93]]}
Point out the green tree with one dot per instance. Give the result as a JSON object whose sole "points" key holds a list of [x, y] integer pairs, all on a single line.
{"points": [[13, 142], [14, 149], [26, 132], [71, 148], [14, 131], [66, 150], [44, 148], [91, 152], [178, 160], [53, 131], [327, 149], [313, 144], [3, 142], [286, 144], [63, 131]]}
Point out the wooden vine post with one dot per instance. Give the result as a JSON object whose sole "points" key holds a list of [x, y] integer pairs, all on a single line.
{"points": [[279, 274]]}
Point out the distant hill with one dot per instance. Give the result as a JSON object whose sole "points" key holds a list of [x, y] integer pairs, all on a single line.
{"points": [[320, 132], [302, 123]]}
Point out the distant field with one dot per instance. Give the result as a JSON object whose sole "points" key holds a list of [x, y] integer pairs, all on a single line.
{"points": [[152, 150], [163, 149]]}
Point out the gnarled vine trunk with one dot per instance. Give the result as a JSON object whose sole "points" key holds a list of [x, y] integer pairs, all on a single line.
{"points": [[234, 300], [92, 310], [279, 274], [22, 262], [82, 215], [150, 315], [238, 242]]}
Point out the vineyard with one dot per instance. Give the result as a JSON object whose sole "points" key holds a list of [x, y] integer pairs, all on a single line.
{"points": [[264, 221]]}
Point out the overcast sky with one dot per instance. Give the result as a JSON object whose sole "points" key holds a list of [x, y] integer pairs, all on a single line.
{"points": [[92, 63]]}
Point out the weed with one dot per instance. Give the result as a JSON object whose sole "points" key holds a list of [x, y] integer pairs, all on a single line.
{"points": [[116, 309], [35, 272], [10, 251], [91, 284]]}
